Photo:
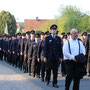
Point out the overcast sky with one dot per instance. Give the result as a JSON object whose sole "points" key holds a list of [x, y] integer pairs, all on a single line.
{"points": [[44, 9]]}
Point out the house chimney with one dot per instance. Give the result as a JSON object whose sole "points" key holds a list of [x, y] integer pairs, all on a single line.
{"points": [[37, 19]]}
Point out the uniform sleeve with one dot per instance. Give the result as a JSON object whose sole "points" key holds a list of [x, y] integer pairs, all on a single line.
{"points": [[26, 45], [39, 50], [46, 47], [21, 45], [31, 50], [60, 49]]}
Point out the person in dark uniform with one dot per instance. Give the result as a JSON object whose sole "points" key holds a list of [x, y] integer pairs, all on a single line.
{"points": [[41, 56], [68, 35], [87, 47], [3, 47], [9, 51], [52, 54], [33, 56], [22, 48], [83, 38], [13, 53], [6, 48], [46, 34], [19, 50], [32, 38], [62, 34], [1, 55], [63, 70], [26, 52]]}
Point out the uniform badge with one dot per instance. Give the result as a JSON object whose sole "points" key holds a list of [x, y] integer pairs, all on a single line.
{"points": [[50, 41]]}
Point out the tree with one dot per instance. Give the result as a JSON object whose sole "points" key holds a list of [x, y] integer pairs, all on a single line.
{"points": [[7, 17], [75, 18], [70, 17]]}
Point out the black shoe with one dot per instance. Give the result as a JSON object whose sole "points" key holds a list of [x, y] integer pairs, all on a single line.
{"points": [[29, 74], [88, 75], [45, 79], [33, 75], [55, 85], [20, 69], [24, 71], [48, 82], [42, 79], [63, 75]]}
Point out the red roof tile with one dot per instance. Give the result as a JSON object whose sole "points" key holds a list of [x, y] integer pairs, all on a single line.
{"points": [[32, 24]]}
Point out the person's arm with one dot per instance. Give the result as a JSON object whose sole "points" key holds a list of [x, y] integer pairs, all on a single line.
{"points": [[66, 52]]}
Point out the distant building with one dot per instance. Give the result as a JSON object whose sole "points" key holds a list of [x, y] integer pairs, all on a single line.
{"points": [[34, 24], [20, 26]]}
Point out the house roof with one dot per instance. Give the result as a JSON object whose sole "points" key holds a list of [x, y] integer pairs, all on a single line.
{"points": [[33, 24]]}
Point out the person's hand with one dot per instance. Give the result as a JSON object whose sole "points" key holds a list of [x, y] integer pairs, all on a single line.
{"points": [[8, 50], [21, 53], [75, 60], [60, 60], [45, 60], [25, 55], [38, 59]]}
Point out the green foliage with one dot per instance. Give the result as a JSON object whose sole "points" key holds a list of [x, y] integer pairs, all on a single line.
{"points": [[75, 19], [38, 31], [6, 17], [70, 17]]}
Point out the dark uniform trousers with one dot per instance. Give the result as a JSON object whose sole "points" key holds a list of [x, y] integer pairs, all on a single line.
{"points": [[88, 65], [33, 55], [29, 65], [41, 57], [63, 70], [1, 55], [43, 69], [35, 67], [71, 74], [1, 52], [21, 61], [25, 63], [52, 65]]}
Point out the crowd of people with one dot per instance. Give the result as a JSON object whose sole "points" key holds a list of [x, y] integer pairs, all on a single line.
{"points": [[39, 54]]}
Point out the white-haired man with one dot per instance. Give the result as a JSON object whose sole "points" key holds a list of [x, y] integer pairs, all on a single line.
{"points": [[70, 51]]}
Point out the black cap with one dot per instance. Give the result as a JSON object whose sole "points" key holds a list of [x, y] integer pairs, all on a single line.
{"points": [[32, 32], [37, 35], [13, 35], [42, 33], [47, 33], [68, 33], [84, 34], [54, 27], [63, 33], [19, 33], [23, 34], [28, 33], [64, 37]]}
